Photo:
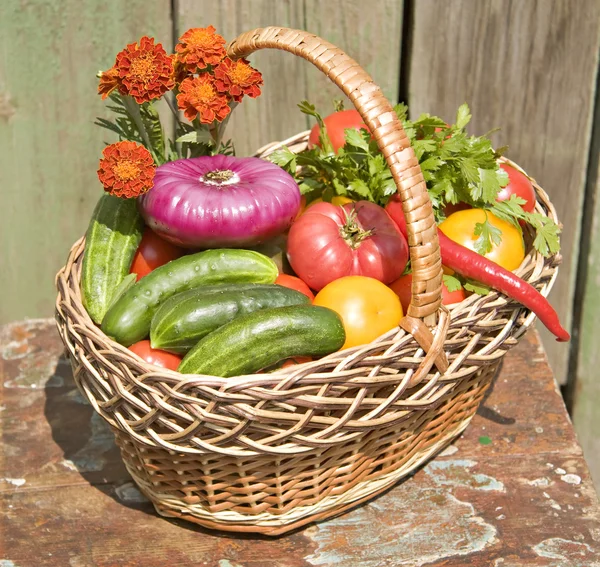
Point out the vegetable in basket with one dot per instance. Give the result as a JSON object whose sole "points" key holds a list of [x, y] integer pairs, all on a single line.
{"points": [[128, 320], [459, 170], [182, 320], [220, 201], [112, 238], [260, 339], [367, 307], [155, 356], [153, 252], [328, 242]]}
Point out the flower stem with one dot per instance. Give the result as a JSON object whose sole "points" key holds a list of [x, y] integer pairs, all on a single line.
{"points": [[134, 111], [220, 129], [173, 109]]}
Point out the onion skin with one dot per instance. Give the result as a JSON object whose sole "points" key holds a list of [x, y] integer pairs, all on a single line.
{"points": [[190, 210]]}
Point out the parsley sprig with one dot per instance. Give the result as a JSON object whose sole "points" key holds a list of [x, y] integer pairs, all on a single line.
{"points": [[457, 168]]}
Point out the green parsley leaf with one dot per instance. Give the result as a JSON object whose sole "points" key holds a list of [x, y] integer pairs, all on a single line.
{"points": [[489, 236], [452, 283], [490, 185], [354, 138], [310, 109], [359, 187], [284, 158], [476, 287], [510, 210], [463, 116], [547, 231], [401, 111]]}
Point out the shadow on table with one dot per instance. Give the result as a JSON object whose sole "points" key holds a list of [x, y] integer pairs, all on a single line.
{"points": [[489, 413], [86, 440]]}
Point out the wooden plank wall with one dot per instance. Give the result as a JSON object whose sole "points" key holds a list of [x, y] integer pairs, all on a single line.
{"points": [[526, 66], [373, 38], [50, 53]]}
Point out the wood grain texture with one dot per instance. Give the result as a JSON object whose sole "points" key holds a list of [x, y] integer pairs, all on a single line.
{"points": [[369, 34], [50, 53], [585, 392], [512, 491], [529, 68], [273, 116]]}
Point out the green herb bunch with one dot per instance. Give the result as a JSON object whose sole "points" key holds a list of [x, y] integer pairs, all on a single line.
{"points": [[457, 167]]}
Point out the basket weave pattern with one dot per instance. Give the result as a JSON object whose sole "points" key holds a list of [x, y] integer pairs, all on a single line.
{"points": [[270, 452]]}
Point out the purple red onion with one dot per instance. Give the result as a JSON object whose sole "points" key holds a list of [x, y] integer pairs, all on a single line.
{"points": [[220, 201]]}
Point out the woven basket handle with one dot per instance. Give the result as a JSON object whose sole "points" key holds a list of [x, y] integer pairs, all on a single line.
{"points": [[391, 138]]}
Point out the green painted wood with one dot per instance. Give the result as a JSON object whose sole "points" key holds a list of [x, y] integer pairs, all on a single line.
{"points": [[370, 33], [272, 116], [585, 392], [50, 53], [373, 38], [528, 68]]}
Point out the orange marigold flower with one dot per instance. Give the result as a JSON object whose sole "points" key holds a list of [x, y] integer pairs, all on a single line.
{"points": [[109, 81], [145, 70], [237, 78], [198, 95], [200, 47], [126, 170]]}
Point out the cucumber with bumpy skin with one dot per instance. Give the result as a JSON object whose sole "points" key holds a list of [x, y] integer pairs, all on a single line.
{"points": [[128, 320], [182, 320], [258, 340], [111, 240]]}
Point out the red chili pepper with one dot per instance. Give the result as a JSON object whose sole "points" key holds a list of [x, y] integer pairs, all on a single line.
{"points": [[477, 267], [474, 266]]}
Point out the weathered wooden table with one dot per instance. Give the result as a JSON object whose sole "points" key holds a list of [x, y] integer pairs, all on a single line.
{"points": [[513, 491]]}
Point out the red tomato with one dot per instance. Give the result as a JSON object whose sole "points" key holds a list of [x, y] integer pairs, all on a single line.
{"points": [[294, 283], [328, 242], [155, 356], [152, 252], [336, 124], [518, 185], [296, 360], [402, 288], [395, 212]]}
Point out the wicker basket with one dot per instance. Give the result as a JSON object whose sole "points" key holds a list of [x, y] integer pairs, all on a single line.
{"points": [[271, 452]]}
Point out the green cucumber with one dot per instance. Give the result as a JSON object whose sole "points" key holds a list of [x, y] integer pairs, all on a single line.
{"points": [[128, 320], [262, 338], [111, 240], [182, 320]]}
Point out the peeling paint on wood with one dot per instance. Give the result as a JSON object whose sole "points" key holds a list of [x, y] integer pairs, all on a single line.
{"points": [[401, 525], [565, 550], [458, 473]]}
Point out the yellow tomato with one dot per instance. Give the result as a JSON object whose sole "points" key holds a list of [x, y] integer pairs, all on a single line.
{"points": [[460, 227], [368, 308], [338, 200]]}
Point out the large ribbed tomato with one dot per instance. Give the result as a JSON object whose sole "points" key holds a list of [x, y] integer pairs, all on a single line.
{"points": [[359, 239]]}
